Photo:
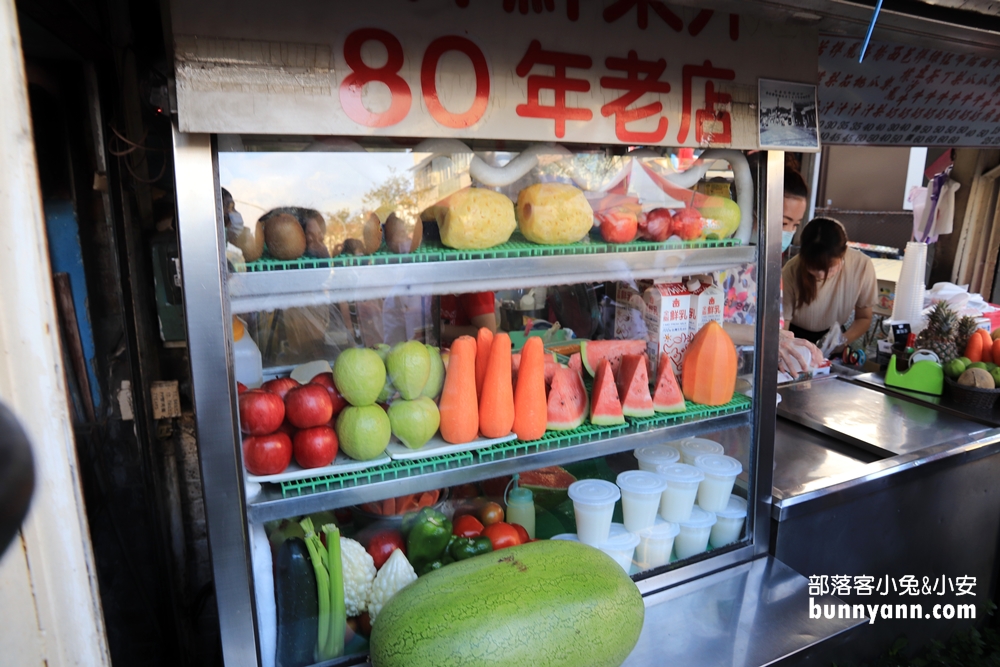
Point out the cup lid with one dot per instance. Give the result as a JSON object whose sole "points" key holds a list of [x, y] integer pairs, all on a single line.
{"points": [[736, 508], [567, 537], [696, 446], [619, 539], [661, 530], [640, 481], [658, 455], [718, 465], [680, 473], [594, 492], [699, 519]]}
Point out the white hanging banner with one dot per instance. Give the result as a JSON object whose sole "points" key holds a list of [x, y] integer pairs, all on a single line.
{"points": [[622, 71]]}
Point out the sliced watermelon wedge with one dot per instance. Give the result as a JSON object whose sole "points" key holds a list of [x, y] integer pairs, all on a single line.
{"points": [[667, 396], [605, 409], [633, 386], [576, 363], [592, 352], [567, 402]]}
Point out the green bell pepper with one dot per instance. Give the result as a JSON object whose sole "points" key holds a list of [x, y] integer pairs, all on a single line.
{"points": [[427, 537], [467, 547]]}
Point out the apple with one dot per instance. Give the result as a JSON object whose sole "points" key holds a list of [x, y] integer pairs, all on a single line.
{"points": [[287, 428], [261, 412], [618, 225], [383, 543], [241, 388], [280, 386], [315, 447], [267, 454], [308, 405], [326, 380], [659, 223], [688, 224]]}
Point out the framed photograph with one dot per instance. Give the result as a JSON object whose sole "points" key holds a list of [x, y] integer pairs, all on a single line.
{"points": [[788, 118]]}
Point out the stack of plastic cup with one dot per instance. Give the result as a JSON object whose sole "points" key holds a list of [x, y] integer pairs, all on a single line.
{"points": [[693, 536], [657, 455], [682, 489], [692, 448], [909, 299], [620, 545], [641, 492], [720, 476], [594, 504], [655, 544], [729, 522]]}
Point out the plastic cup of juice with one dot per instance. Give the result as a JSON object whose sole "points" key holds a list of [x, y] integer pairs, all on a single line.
{"points": [[641, 493], [593, 503], [655, 544], [720, 476], [620, 545], [692, 448], [729, 522], [692, 538], [657, 455], [682, 489]]}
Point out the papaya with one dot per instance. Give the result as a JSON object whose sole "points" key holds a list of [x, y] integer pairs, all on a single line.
{"points": [[551, 602], [459, 407], [530, 414], [484, 339], [496, 403], [708, 375]]}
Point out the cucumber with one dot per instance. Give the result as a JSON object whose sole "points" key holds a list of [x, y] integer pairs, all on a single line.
{"points": [[298, 606]]}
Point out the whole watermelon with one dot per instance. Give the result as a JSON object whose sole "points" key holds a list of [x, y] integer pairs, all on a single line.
{"points": [[543, 604]]}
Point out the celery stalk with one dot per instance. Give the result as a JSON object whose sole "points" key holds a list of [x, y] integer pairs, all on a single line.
{"points": [[318, 556], [337, 609]]}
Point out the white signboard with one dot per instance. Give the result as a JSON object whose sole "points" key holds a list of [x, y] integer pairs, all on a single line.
{"points": [[906, 95], [636, 72]]}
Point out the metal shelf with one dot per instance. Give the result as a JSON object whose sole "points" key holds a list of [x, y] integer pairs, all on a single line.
{"points": [[271, 290], [270, 505]]}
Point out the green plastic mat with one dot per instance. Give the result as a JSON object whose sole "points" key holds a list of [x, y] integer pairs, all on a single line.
{"points": [[505, 450], [517, 246]]}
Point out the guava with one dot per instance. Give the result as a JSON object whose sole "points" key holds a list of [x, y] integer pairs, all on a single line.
{"points": [[995, 374], [965, 360], [414, 422], [435, 381], [409, 366], [722, 217], [382, 350], [978, 364], [363, 431], [359, 375], [388, 391], [954, 368]]}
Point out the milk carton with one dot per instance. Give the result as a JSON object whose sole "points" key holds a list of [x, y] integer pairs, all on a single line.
{"points": [[668, 323], [707, 302]]}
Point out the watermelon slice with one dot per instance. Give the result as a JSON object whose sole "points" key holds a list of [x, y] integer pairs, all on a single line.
{"points": [[567, 406], [667, 396], [592, 352], [633, 386], [576, 363], [605, 409]]}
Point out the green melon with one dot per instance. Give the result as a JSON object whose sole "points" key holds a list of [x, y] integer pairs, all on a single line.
{"points": [[572, 606]]}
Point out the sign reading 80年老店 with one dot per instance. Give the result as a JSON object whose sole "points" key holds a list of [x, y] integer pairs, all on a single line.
{"points": [[617, 71]]}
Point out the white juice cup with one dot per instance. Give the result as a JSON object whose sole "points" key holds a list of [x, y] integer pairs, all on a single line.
{"points": [[682, 489], [692, 448], [620, 545], [655, 544], [720, 476], [657, 455], [641, 492], [693, 535], [594, 504], [729, 522]]}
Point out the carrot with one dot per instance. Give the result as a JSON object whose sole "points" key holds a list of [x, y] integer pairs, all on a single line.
{"points": [[987, 347], [484, 339], [974, 348], [459, 406], [496, 405], [530, 411]]}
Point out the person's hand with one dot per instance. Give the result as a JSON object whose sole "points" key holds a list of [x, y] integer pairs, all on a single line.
{"points": [[804, 353]]}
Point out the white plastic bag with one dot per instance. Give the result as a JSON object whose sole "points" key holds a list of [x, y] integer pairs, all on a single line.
{"points": [[831, 340]]}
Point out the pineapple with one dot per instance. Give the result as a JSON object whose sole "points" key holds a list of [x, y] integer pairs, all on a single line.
{"points": [[966, 327], [939, 336]]}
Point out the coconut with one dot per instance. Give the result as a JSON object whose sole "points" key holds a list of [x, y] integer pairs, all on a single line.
{"points": [[978, 378]]}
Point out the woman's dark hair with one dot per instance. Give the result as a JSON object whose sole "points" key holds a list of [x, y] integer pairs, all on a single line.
{"points": [[795, 185], [823, 242]]}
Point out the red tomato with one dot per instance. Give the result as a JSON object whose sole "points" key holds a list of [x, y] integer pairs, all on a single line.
{"points": [[491, 513], [383, 543], [502, 535], [522, 533], [467, 526]]}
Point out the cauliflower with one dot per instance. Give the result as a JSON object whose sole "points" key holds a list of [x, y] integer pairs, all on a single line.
{"points": [[359, 572], [395, 575]]}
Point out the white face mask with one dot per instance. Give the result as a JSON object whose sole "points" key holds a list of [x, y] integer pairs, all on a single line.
{"points": [[786, 239]]}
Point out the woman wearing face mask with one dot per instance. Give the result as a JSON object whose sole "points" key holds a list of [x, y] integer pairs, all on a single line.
{"points": [[827, 283]]}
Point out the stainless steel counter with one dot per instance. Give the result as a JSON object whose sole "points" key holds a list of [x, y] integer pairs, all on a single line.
{"points": [[806, 460]]}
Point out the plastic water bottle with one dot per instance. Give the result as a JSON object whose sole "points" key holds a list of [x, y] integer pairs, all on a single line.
{"points": [[246, 357], [521, 508]]}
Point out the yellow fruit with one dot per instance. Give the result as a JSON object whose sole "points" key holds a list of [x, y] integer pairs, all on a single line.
{"points": [[474, 219], [978, 378], [553, 213]]}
